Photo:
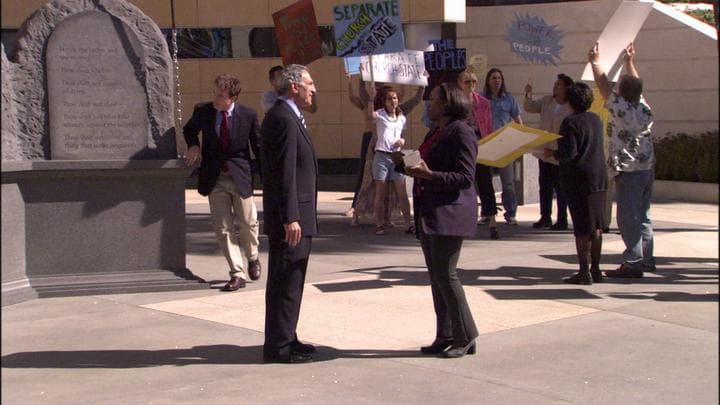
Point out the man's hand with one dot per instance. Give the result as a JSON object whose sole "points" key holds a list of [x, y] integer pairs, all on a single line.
{"points": [[293, 233], [192, 155], [397, 157], [594, 54], [629, 53], [528, 91]]}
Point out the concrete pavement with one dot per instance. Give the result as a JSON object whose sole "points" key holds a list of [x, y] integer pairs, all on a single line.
{"points": [[367, 306]]}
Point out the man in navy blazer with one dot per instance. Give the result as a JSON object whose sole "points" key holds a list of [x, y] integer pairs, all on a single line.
{"points": [[290, 171], [229, 131]]}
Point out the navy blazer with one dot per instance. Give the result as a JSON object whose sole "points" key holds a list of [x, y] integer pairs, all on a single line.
{"points": [[447, 203], [290, 172], [243, 137]]}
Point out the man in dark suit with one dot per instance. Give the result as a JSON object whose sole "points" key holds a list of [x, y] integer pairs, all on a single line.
{"points": [[229, 131], [289, 211]]}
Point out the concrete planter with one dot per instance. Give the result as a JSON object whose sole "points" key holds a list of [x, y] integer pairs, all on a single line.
{"points": [[685, 191]]}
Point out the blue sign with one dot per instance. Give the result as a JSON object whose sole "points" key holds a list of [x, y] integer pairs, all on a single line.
{"points": [[368, 28], [531, 38]]}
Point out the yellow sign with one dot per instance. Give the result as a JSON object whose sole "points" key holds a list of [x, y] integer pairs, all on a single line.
{"points": [[508, 143]]}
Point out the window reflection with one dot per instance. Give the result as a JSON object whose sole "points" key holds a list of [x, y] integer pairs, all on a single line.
{"points": [[238, 42]]}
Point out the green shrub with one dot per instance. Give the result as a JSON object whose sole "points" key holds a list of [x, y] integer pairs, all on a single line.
{"points": [[706, 16], [684, 157]]}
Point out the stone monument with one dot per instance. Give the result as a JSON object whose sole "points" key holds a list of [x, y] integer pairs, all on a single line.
{"points": [[92, 191]]}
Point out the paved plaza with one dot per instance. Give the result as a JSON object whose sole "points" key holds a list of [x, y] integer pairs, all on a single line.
{"points": [[367, 306]]}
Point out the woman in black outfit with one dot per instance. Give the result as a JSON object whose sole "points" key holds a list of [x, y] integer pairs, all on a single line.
{"points": [[584, 178], [446, 212]]}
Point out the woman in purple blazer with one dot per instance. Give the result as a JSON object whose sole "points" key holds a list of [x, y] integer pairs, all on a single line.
{"points": [[445, 213]]}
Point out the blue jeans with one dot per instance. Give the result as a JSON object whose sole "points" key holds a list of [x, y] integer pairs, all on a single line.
{"points": [[509, 200], [633, 191]]}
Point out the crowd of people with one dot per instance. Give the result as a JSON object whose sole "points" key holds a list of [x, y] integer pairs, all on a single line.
{"points": [[447, 182]]}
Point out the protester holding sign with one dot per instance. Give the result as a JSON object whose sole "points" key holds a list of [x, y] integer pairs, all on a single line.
{"points": [[363, 201], [632, 157], [480, 121], [389, 125], [552, 109], [504, 109]]}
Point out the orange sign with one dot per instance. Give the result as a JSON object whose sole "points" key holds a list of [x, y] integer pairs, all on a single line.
{"points": [[297, 33]]}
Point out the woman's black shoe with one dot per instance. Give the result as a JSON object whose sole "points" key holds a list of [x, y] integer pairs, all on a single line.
{"points": [[579, 278], [597, 276], [456, 351], [437, 347]]}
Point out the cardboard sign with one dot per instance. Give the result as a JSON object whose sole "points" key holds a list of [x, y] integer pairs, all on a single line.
{"points": [[403, 68], [297, 33], [622, 29], [508, 143], [443, 64], [531, 38], [478, 64], [352, 65], [368, 28]]}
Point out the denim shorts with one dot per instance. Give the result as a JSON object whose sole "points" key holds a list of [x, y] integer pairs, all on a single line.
{"points": [[383, 168]]}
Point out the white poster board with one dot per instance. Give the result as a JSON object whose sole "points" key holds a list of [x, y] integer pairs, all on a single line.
{"points": [[406, 67], [622, 29], [508, 143]]}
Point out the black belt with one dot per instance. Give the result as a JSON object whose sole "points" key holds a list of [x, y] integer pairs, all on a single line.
{"points": [[382, 151]]}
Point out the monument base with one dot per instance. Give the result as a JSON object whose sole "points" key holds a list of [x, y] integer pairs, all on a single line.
{"points": [[93, 227]]}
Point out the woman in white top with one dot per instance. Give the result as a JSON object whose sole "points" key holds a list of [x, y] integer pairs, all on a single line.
{"points": [[389, 125]]}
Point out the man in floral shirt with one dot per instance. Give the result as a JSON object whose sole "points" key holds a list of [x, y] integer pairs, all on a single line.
{"points": [[632, 156]]}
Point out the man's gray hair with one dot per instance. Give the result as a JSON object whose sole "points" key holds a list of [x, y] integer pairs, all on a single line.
{"points": [[291, 74]]}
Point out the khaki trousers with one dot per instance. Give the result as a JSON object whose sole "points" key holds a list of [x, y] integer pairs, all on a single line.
{"points": [[229, 210]]}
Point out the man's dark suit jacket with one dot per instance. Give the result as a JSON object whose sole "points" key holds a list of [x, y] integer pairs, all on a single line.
{"points": [[289, 173], [448, 201], [243, 136]]}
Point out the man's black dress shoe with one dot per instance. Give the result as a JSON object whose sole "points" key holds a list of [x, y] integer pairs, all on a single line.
{"points": [[580, 278], [436, 347], [293, 357], [303, 348], [456, 351], [254, 270], [542, 223], [234, 284]]}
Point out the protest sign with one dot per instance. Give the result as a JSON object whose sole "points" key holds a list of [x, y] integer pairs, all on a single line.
{"points": [[444, 64], [368, 28], [508, 143], [531, 38], [352, 65], [297, 33], [478, 65], [403, 68], [622, 29]]}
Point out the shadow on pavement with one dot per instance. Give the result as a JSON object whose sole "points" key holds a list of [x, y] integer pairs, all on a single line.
{"points": [[214, 354]]}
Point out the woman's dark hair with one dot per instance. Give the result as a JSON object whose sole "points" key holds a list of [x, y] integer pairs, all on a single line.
{"points": [[457, 104], [271, 72], [381, 95], [486, 89], [567, 81], [630, 88], [579, 97]]}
